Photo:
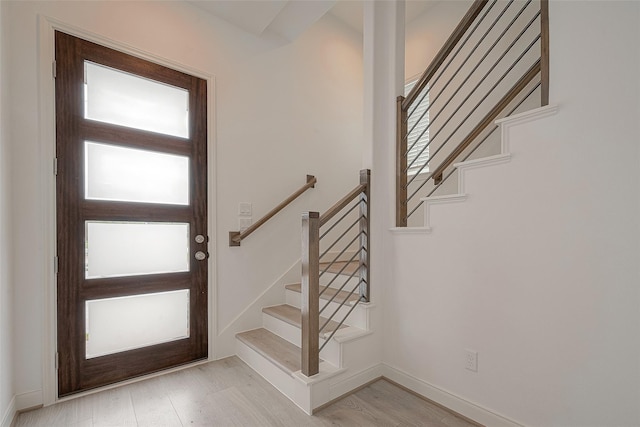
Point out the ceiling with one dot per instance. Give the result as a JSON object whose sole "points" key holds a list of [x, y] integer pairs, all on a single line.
{"points": [[351, 11], [290, 18], [286, 18]]}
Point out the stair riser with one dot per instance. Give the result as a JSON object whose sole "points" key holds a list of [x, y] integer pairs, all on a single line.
{"points": [[357, 318], [330, 353], [332, 382], [281, 328], [284, 382]]}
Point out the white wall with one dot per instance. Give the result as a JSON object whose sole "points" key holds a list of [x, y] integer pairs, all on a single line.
{"points": [[426, 33], [6, 285], [280, 111], [538, 269]]}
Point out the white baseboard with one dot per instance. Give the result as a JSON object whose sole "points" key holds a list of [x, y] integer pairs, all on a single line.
{"points": [[28, 400], [447, 399], [9, 414], [20, 402], [344, 386]]}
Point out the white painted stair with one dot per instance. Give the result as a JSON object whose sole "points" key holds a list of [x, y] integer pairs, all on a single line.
{"points": [[274, 349], [462, 168]]}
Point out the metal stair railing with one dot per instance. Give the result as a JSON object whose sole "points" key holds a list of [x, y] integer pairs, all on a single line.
{"points": [[345, 228], [498, 51]]}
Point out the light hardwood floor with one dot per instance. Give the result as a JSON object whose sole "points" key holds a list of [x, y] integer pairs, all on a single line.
{"points": [[229, 393]]}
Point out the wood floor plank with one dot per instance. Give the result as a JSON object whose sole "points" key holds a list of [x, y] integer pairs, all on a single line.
{"points": [[50, 416], [228, 407], [225, 373], [400, 406], [152, 405], [229, 393], [114, 408], [383, 404], [278, 412]]}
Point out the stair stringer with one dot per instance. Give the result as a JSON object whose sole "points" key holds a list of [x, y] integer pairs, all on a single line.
{"points": [[251, 316], [462, 168]]}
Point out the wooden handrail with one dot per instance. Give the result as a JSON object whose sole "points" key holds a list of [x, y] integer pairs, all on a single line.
{"points": [[487, 120], [235, 237], [340, 204], [444, 52], [401, 163]]}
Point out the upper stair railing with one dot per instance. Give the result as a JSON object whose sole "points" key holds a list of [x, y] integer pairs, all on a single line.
{"points": [[495, 59], [336, 242]]}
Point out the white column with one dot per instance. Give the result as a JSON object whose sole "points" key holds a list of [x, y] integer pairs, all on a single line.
{"points": [[383, 51]]}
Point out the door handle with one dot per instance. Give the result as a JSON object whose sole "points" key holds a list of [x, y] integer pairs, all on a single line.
{"points": [[201, 256]]}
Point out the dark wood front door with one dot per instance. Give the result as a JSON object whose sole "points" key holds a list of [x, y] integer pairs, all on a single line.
{"points": [[131, 189]]}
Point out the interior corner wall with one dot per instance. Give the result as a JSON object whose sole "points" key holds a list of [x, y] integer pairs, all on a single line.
{"points": [[6, 285], [280, 111], [537, 270]]}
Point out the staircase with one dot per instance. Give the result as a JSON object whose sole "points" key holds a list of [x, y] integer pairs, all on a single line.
{"points": [[274, 350], [317, 343], [494, 65]]}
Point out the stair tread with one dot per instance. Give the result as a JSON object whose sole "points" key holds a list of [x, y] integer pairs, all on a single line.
{"points": [[351, 267], [293, 316], [326, 295], [278, 350]]}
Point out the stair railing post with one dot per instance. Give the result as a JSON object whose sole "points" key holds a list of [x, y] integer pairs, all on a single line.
{"points": [[310, 293], [365, 209], [401, 163], [544, 53]]}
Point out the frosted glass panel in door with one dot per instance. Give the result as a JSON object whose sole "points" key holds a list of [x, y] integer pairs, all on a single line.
{"points": [[133, 248], [124, 323], [131, 175], [123, 99]]}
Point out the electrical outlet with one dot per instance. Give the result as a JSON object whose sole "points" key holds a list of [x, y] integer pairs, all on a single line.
{"points": [[245, 209], [471, 360]]}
